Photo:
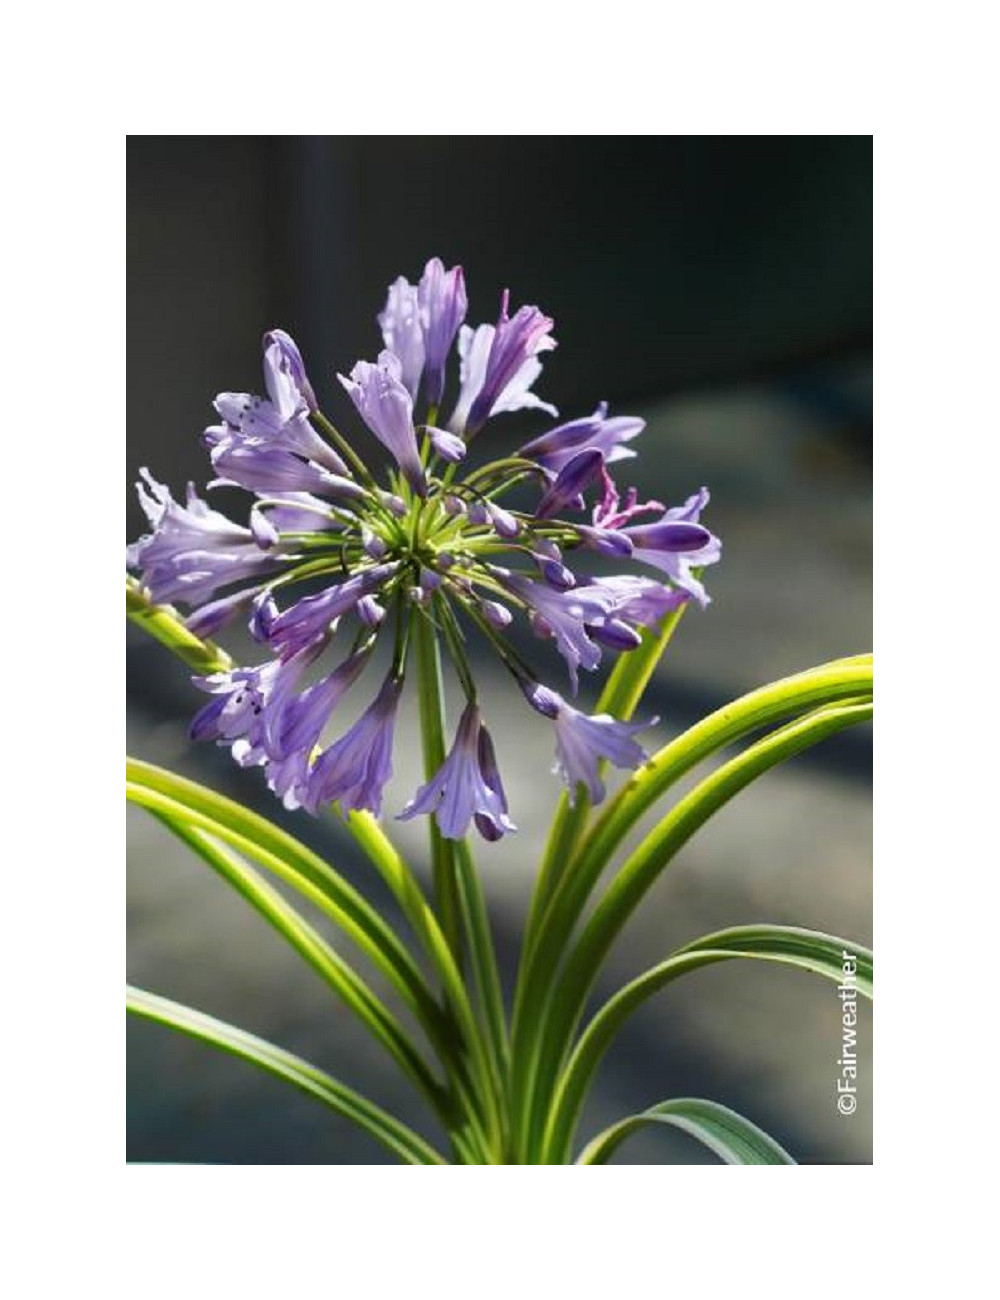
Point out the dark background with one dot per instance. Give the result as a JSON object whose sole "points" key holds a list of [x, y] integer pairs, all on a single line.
{"points": [[721, 287]]}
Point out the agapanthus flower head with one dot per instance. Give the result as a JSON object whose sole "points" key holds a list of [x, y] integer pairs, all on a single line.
{"points": [[328, 560]]}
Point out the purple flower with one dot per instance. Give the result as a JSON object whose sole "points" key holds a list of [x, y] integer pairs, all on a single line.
{"points": [[284, 367], [498, 366], [402, 332], [193, 551], [298, 512], [548, 557], [387, 408], [599, 432], [367, 552], [678, 543], [449, 446], [564, 615], [237, 714], [577, 474], [267, 444], [293, 728], [466, 786], [582, 741], [638, 600], [310, 618], [217, 614], [265, 466], [443, 304], [353, 771]]}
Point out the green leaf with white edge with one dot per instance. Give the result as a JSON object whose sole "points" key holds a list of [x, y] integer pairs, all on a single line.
{"points": [[326, 961], [827, 684], [821, 954], [734, 1139], [284, 856], [163, 622], [382, 1126], [552, 1030]]}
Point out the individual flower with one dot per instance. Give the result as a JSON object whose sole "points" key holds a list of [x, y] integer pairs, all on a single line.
{"points": [[584, 741], [268, 444], [637, 600], [193, 550], [567, 488], [294, 725], [311, 617], [466, 787], [387, 408], [499, 366], [352, 773], [419, 324], [403, 334], [283, 359], [565, 616], [237, 714], [677, 544], [443, 304], [598, 432]]}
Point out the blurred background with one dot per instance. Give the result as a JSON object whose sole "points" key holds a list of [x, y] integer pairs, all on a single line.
{"points": [[718, 287]]}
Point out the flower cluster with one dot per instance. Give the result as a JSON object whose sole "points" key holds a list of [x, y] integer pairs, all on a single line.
{"points": [[329, 558]]}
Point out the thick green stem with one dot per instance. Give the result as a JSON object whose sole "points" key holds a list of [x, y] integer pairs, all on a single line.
{"points": [[457, 886], [482, 951], [432, 727]]}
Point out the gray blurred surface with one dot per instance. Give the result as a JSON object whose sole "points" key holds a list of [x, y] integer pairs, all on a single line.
{"points": [[791, 500]]}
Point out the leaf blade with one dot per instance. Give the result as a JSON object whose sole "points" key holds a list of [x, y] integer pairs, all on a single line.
{"points": [[732, 1137], [317, 953], [810, 950], [384, 1127]]}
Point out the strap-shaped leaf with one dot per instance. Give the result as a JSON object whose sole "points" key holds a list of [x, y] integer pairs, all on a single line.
{"points": [[391, 1132], [165, 624], [552, 1028], [822, 954], [326, 961], [283, 855], [842, 680], [734, 1139]]}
